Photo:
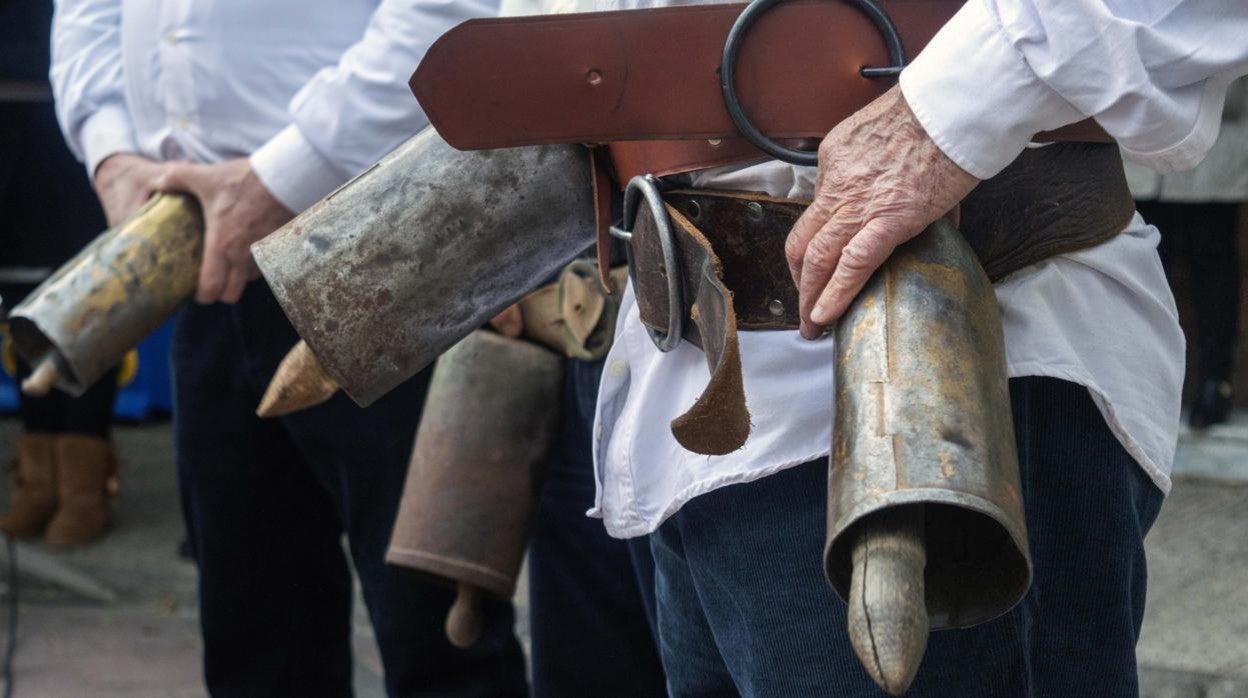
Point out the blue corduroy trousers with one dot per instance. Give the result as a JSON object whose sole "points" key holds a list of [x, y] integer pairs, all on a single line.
{"points": [[743, 607]]}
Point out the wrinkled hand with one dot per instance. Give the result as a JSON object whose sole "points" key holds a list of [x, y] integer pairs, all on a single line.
{"points": [[238, 210], [881, 181], [124, 182]]}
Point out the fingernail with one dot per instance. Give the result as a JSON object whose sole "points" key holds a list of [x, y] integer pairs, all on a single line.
{"points": [[822, 314]]}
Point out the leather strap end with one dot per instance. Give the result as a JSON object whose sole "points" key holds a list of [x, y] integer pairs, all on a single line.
{"points": [[600, 180], [718, 423]]}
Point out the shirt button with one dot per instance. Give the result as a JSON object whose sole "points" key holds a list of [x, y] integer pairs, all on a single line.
{"points": [[598, 432], [619, 367], [171, 37], [182, 122]]}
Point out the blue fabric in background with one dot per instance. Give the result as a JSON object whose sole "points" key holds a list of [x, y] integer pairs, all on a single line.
{"points": [[147, 395]]}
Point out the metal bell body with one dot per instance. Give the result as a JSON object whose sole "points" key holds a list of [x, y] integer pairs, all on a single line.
{"points": [[430, 243], [121, 287], [489, 421], [923, 419]]}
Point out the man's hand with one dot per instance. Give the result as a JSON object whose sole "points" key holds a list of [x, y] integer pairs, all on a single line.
{"points": [[238, 210], [881, 181], [124, 182]]}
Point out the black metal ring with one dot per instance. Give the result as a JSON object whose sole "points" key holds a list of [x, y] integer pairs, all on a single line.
{"points": [[728, 73]]}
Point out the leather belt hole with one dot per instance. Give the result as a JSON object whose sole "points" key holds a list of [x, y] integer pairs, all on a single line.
{"points": [[775, 307], [754, 211], [594, 78], [694, 210]]}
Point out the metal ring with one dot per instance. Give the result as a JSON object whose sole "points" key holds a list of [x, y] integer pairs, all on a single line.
{"points": [[647, 187], [728, 73]]}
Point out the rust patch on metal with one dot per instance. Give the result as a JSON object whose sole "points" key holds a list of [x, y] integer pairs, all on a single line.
{"points": [[923, 417], [105, 300]]}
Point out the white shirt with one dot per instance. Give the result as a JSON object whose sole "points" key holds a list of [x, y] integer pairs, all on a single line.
{"points": [[1221, 177], [1153, 74], [312, 92]]}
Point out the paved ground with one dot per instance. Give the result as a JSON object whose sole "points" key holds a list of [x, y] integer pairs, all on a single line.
{"points": [[117, 620]]}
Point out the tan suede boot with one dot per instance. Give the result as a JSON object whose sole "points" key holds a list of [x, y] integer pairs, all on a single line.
{"points": [[34, 493], [86, 466]]}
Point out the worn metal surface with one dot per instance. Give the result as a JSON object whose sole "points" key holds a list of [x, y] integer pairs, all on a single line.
{"points": [[430, 243], [103, 302], [489, 421], [923, 418]]}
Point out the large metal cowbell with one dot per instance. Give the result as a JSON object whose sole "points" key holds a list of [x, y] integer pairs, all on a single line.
{"points": [[923, 420], [399, 264], [489, 421], [116, 291]]}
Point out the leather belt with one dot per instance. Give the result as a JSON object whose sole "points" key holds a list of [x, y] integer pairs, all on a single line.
{"points": [[730, 271], [635, 78]]}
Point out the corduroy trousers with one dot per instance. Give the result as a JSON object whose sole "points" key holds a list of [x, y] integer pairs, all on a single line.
{"points": [[743, 607]]}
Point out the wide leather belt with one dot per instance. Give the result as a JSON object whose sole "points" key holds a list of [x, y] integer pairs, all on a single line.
{"points": [[648, 81], [715, 264]]}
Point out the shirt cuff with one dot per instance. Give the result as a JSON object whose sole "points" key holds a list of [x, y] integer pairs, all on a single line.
{"points": [[106, 132], [975, 95], [295, 172]]}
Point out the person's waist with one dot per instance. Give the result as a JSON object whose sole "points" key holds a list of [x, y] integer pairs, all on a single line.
{"points": [[1052, 200]]}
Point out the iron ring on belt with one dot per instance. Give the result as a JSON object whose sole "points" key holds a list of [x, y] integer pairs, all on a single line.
{"points": [[728, 73], [647, 187]]}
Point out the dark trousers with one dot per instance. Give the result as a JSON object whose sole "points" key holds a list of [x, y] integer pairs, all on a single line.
{"points": [[267, 503], [90, 414], [591, 596], [1205, 236], [744, 607]]}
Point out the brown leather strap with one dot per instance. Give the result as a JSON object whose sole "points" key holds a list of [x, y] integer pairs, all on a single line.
{"points": [[663, 158], [652, 75], [718, 422], [734, 274], [600, 185]]}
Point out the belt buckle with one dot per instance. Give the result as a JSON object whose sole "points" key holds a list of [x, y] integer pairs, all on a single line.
{"points": [[646, 187]]}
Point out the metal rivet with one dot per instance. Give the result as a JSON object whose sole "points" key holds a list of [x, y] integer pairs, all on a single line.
{"points": [[694, 209], [754, 210], [594, 78], [714, 142], [775, 307]]}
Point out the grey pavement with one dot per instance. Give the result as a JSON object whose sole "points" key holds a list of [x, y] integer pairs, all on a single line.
{"points": [[118, 619], [1195, 638]]}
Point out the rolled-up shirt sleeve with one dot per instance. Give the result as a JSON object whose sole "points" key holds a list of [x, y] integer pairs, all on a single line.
{"points": [[1153, 75], [87, 80], [351, 114]]}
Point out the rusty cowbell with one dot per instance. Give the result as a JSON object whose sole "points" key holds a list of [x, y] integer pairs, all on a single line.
{"points": [[399, 264], [82, 320], [925, 512], [489, 421]]}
